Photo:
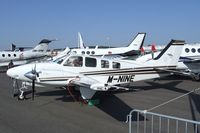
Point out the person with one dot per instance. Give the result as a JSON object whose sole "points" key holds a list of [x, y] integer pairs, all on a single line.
{"points": [[77, 62], [11, 64]]}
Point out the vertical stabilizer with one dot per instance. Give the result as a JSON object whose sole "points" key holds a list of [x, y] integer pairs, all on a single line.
{"points": [[137, 42], [170, 55], [80, 41], [43, 45]]}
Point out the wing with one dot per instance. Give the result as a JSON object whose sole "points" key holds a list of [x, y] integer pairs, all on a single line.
{"points": [[88, 87]]}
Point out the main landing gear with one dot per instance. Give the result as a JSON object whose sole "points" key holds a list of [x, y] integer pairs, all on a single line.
{"points": [[195, 76]]}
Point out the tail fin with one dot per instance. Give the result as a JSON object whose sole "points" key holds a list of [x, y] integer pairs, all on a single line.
{"points": [[43, 45], [137, 42], [80, 41], [13, 47], [170, 55]]}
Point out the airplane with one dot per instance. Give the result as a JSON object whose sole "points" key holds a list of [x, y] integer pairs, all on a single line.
{"points": [[18, 57], [89, 74], [189, 61], [132, 49]]}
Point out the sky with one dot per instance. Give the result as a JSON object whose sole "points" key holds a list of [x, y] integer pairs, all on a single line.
{"points": [[101, 22]]}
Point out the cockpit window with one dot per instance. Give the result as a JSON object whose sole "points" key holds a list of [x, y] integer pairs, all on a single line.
{"points": [[76, 61], [116, 65], [90, 62]]}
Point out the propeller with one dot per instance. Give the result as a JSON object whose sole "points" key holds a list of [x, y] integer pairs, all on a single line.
{"points": [[33, 81], [33, 76]]}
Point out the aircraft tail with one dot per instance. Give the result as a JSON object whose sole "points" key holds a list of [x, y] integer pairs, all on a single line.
{"points": [[80, 41], [43, 45], [137, 42], [170, 55]]}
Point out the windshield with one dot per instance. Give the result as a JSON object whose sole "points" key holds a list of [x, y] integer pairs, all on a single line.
{"points": [[60, 59]]}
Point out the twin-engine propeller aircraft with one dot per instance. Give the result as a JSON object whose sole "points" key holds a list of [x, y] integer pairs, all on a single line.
{"points": [[23, 57], [90, 74], [132, 49]]}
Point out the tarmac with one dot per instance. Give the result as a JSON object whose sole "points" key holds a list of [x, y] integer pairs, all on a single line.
{"points": [[54, 111]]}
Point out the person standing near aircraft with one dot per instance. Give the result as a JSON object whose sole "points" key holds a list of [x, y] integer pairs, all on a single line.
{"points": [[10, 65]]}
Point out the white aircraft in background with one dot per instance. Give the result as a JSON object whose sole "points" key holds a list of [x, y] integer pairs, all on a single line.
{"points": [[90, 73], [18, 57], [189, 62], [132, 49]]}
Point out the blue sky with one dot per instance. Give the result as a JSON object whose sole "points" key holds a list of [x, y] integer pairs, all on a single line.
{"points": [[26, 22]]}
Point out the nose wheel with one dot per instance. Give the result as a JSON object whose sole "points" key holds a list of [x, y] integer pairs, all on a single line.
{"points": [[22, 90], [21, 96], [19, 92]]}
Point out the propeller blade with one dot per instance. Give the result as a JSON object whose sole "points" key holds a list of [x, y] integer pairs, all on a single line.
{"points": [[33, 81], [33, 89]]}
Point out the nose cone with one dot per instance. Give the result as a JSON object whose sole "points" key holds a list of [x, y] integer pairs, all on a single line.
{"points": [[12, 72]]}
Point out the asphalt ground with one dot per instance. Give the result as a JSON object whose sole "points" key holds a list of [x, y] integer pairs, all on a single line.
{"points": [[54, 111]]}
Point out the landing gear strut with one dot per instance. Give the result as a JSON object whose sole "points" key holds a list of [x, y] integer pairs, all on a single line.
{"points": [[19, 92], [196, 76]]}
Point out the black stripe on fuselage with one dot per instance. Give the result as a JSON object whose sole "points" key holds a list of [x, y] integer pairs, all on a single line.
{"points": [[147, 70]]}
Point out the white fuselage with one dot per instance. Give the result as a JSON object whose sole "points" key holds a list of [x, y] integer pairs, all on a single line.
{"points": [[19, 57], [91, 73]]}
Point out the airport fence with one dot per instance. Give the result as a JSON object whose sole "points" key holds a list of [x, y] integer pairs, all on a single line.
{"points": [[142, 121]]}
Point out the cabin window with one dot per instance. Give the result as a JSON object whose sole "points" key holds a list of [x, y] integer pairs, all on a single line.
{"points": [[90, 62], [8, 55], [76, 61], [3, 55], [83, 52], [34, 50], [116, 65], [187, 50], [104, 64], [93, 52], [41, 50], [199, 50], [88, 52], [14, 55], [193, 50]]}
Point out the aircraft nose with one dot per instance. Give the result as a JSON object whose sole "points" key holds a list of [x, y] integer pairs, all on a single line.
{"points": [[12, 72]]}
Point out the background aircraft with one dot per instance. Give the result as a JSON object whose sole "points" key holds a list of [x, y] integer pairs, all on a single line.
{"points": [[132, 49], [22, 57], [90, 73]]}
